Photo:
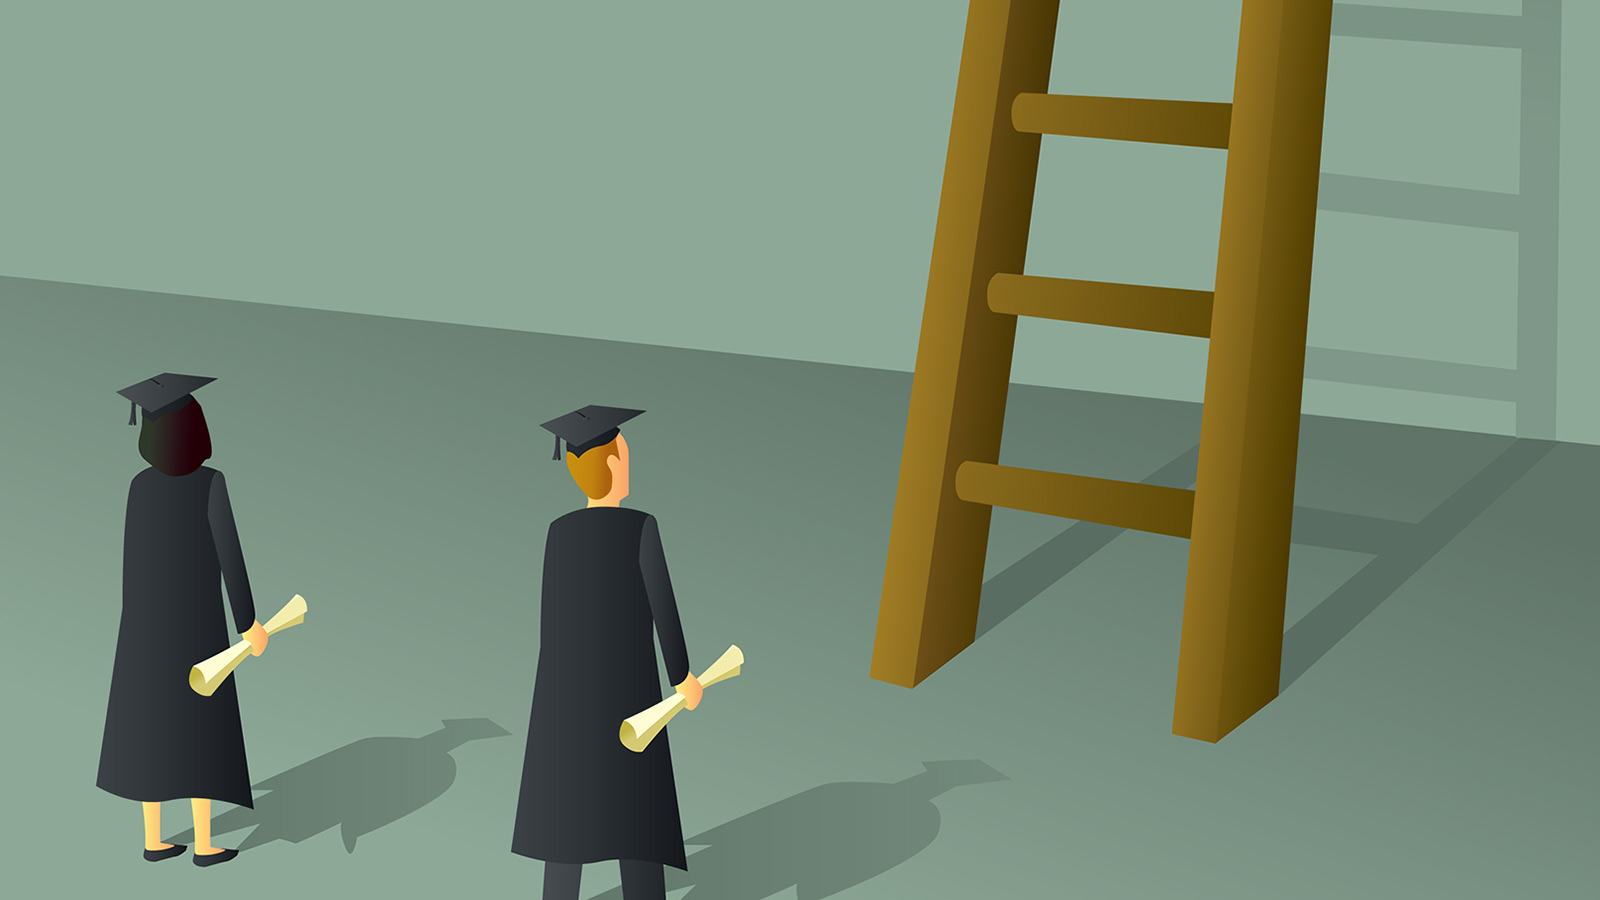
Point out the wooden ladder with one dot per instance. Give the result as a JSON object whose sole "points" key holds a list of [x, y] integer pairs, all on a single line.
{"points": [[1238, 516]]}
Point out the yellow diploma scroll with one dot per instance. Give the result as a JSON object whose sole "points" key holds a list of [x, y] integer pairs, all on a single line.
{"points": [[208, 675], [638, 731]]}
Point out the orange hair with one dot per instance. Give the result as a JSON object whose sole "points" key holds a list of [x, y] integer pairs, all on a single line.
{"points": [[590, 470]]}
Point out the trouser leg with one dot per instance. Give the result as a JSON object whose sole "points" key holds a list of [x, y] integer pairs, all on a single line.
{"points": [[561, 880], [642, 880]]}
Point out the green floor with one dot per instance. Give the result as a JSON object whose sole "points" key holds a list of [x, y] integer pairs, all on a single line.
{"points": [[1434, 739]]}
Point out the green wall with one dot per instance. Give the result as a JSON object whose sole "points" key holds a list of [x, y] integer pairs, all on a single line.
{"points": [[763, 178]]}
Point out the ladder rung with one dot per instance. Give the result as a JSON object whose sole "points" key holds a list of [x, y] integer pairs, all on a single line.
{"points": [[1186, 122], [1124, 504], [1146, 308]]}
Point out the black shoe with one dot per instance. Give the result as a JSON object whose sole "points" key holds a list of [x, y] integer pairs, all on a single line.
{"points": [[159, 855], [214, 858]]}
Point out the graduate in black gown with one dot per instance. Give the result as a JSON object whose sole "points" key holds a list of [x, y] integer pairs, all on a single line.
{"points": [[606, 597], [164, 741]]}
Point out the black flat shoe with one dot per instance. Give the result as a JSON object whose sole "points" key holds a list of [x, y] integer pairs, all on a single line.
{"points": [[159, 855], [214, 858]]}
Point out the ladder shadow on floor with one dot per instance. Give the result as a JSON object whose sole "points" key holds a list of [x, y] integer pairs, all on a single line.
{"points": [[358, 788], [821, 841], [1399, 549]]}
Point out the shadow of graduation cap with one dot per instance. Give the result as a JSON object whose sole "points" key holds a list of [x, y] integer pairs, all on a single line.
{"points": [[588, 428], [161, 394]]}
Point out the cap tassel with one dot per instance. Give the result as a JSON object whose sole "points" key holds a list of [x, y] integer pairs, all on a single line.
{"points": [[133, 412], [557, 454]]}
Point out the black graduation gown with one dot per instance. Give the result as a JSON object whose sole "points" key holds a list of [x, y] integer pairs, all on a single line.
{"points": [[585, 797], [162, 740]]}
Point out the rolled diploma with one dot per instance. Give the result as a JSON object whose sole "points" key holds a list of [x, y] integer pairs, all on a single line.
{"points": [[206, 677], [638, 731]]}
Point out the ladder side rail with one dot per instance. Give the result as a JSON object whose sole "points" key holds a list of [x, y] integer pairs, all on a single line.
{"points": [[1231, 645], [933, 574]]}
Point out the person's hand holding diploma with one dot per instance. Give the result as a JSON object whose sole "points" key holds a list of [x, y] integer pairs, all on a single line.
{"points": [[691, 690], [205, 676], [257, 636], [638, 731]]}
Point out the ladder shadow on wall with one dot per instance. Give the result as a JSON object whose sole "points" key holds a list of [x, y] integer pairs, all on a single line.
{"points": [[1532, 214]]}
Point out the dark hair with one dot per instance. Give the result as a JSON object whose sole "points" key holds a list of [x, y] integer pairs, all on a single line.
{"points": [[178, 442]]}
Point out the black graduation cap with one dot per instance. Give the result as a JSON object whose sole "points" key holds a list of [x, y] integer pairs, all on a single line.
{"points": [[162, 394], [588, 428]]}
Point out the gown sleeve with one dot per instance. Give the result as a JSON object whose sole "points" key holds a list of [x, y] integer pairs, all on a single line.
{"points": [[663, 606], [229, 555]]}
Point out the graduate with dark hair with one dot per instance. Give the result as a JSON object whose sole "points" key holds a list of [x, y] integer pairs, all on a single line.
{"points": [[606, 596], [164, 741]]}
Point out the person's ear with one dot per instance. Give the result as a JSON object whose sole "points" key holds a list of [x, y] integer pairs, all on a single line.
{"points": [[614, 463]]}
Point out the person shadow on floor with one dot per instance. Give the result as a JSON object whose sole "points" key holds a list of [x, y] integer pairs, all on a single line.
{"points": [[359, 787], [823, 840]]}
